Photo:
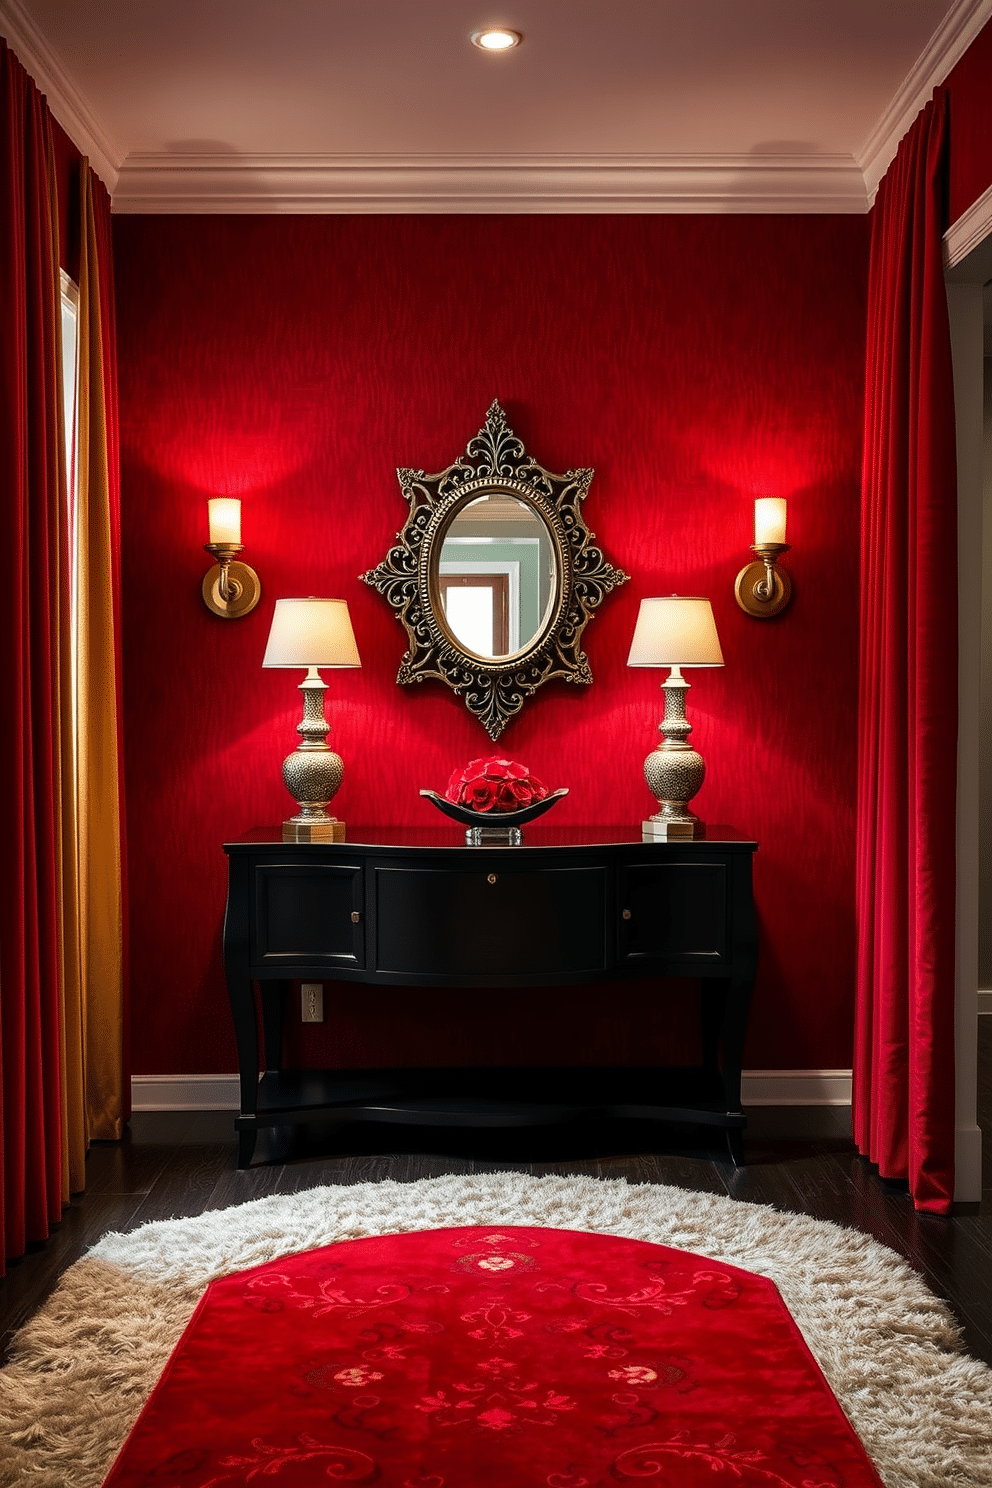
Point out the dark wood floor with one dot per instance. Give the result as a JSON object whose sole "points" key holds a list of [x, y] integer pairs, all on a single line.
{"points": [[170, 1165]]}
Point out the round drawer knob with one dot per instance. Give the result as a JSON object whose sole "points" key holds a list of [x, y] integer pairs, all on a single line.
{"points": [[626, 914], [355, 917], [491, 878]]}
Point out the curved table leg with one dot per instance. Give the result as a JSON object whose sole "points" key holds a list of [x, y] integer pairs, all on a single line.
{"points": [[735, 1145], [242, 999], [246, 1145], [739, 989]]}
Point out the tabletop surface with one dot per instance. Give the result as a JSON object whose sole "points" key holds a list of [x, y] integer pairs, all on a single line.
{"points": [[539, 834]]}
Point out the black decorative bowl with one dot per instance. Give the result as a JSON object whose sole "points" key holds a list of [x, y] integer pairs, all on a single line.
{"points": [[494, 823]]}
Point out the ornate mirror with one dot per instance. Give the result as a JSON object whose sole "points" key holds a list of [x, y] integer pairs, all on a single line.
{"points": [[494, 575]]}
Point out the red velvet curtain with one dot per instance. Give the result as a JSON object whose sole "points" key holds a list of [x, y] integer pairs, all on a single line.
{"points": [[33, 568], [903, 1098]]}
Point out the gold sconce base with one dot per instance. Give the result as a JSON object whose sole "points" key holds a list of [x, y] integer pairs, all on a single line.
{"points": [[763, 589], [243, 590]]}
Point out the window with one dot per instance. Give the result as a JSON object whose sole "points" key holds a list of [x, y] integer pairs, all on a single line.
{"points": [[477, 609], [70, 414]]}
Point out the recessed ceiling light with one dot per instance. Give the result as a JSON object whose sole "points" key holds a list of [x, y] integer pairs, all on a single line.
{"points": [[496, 39]]}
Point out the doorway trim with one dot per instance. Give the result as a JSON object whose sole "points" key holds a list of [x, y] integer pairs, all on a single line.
{"points": [[968, 265]]}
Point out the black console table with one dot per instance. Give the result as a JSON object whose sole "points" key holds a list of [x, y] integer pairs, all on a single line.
{"points": [[418, 908]]}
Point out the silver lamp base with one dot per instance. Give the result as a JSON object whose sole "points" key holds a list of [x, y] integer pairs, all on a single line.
{"points": [[312, 773], [674, 771]]}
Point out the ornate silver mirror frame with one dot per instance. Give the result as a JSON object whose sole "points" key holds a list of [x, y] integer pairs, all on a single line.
{"points": [[495, 464]]}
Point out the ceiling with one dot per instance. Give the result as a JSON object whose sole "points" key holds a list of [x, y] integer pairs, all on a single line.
{"points": [[384, 105]]}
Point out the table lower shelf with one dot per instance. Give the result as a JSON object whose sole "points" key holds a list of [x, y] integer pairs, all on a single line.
{"points": [[491, 1097]]}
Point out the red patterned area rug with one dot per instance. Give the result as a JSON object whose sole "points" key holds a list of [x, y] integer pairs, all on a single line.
{"points": [[460, 1358]]}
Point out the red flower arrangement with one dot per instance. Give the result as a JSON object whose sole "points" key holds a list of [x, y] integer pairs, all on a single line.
{"points": [[495, 785]]}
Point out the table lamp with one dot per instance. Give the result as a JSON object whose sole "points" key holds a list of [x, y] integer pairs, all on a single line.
{"points": [[312, 633], [676, 632]]}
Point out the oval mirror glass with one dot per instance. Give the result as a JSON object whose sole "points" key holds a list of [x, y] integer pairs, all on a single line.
{"points": [[495, 580]]}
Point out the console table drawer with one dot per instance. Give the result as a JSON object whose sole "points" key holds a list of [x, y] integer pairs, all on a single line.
{"points": [[674, 912], [309, 914], [493, 922]]}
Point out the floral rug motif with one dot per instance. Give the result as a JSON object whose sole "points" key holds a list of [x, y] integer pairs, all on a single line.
{"points": [[458, 1358]]}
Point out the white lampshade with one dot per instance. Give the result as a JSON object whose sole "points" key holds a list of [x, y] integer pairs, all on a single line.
{"points": [[224, 516], [675, 631], [769, 519], [311, 632]]}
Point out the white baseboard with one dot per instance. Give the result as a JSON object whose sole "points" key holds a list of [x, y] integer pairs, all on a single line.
{"points": [[968, 1165], [185, 1093], [796, 1087], [760, 1088]]}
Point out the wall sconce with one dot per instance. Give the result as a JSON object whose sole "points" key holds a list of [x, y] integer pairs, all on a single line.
{"points": [[763, 589], [312, 633], [674, 632], [230, 589]]}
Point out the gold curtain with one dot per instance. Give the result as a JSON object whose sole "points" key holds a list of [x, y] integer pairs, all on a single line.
{"points": [[100, 1032], [75, 1137]]}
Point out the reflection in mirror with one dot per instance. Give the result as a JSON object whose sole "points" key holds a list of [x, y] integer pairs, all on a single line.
{"points": [[495, 575]]}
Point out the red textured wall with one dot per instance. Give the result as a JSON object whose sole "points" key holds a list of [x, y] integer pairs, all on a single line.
{"points": [[694, 362], [970, 88]]}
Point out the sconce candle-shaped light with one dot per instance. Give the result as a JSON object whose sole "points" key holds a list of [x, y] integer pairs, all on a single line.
{"points": [[230, 589], [312, 633], [224, 516], [770, 513], [763, 589], [674, 632]]}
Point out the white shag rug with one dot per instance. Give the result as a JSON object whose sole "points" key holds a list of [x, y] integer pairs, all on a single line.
{"points": [[82, 1368]]}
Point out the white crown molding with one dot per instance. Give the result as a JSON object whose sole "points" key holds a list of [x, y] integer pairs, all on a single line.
{"points": [[353, 184], [945, 48], [65, 100], [469, 184], [971, 228], [759, 1088]]}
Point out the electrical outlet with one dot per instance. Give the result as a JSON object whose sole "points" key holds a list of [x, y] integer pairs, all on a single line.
{"points": [[312, 995]]}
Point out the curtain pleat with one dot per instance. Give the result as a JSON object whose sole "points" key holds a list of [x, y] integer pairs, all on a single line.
{"points": [[62, 1033], [34, 560], [98, 675], [903, 1095]]}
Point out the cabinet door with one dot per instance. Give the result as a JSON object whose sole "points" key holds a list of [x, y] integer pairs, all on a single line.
{"points": [[675, 912], [493, 923], [307, 914]]}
